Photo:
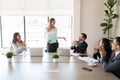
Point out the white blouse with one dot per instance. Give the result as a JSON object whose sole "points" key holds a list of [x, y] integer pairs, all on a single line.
{"points": [[17, 48], [52, 31]]}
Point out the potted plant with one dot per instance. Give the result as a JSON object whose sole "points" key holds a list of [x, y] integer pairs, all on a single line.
{"points": [[107, 24], [9, 56], [55, 57]]}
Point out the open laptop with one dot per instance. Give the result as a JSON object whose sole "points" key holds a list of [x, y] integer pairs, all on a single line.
{"points": [[63, 52], [36, 52]]}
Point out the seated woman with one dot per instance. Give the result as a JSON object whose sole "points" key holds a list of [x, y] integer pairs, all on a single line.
{"points": [[104, 42], [18, 46]]}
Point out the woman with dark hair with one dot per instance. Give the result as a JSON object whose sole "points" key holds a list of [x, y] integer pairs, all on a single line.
{"points": [[105, 43], [51, 36], [18, 46]]}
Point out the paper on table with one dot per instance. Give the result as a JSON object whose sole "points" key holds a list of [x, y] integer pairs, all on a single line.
{"points": [[52, 37], [75, 54], [88, 59]]}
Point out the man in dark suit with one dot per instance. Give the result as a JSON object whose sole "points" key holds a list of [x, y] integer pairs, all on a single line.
{"points": [[81, 45], [113, 64]]}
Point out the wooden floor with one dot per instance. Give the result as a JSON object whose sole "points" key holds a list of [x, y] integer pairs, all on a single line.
{"points": [[43, 68]]}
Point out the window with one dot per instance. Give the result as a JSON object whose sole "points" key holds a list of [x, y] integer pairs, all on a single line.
{"points": [[35, 29], [32, 28], [10, 25]]}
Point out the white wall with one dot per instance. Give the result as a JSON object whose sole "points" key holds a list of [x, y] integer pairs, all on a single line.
{"points": [[118, 26], [76, 19], [92, 14], [36, 7]]}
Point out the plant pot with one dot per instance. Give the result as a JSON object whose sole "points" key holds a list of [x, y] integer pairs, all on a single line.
{"points": [[55, 60], [9, 59]]}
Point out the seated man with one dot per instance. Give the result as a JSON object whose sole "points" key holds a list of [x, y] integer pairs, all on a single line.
{"points": [[113, 64], [80, 46]]}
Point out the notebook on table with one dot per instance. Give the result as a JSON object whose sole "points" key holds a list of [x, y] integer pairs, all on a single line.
{"points": [[36, 52], [63, 52]]}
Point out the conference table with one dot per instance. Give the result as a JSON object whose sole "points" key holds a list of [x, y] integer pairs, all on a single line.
{"points": [[24, 67]]}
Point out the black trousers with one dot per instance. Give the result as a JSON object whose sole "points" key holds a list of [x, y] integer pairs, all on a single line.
{"points": [[52, 47]]}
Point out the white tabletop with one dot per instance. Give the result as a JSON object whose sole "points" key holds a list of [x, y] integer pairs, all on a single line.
{"points": [[42, 68]]}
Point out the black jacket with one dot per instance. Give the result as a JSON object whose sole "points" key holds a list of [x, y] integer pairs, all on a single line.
{"points": [[97, 55], [80, 48]]}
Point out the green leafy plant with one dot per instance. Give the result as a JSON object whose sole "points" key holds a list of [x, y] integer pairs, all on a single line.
{"points": [[109, 16], [9, 54], [55, 56]]}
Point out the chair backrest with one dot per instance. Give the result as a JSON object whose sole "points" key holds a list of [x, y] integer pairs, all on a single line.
{"points": [[63, 52], [36, 52]]}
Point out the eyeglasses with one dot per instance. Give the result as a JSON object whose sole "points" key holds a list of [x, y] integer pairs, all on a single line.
{"points": [[114, 43]]}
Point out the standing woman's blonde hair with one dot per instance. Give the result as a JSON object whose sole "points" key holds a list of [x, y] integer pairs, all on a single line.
{"points": [[51, 26]]}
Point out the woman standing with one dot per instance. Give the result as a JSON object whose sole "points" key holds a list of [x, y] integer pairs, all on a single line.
{"points": [[51, 36], [18, 46]]}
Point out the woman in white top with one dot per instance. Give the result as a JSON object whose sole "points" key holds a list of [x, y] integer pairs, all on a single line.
{"points": [[18, 46], [51, 36]]}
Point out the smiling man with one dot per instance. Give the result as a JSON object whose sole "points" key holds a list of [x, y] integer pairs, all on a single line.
{"points": [[81, 45]]}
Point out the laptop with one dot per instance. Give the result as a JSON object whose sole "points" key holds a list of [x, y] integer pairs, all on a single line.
{"points": [[63, 52], [36, 52]]}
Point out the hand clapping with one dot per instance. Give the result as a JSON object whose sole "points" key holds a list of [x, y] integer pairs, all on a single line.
{"points": [[75, 42], [102, 51]]}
